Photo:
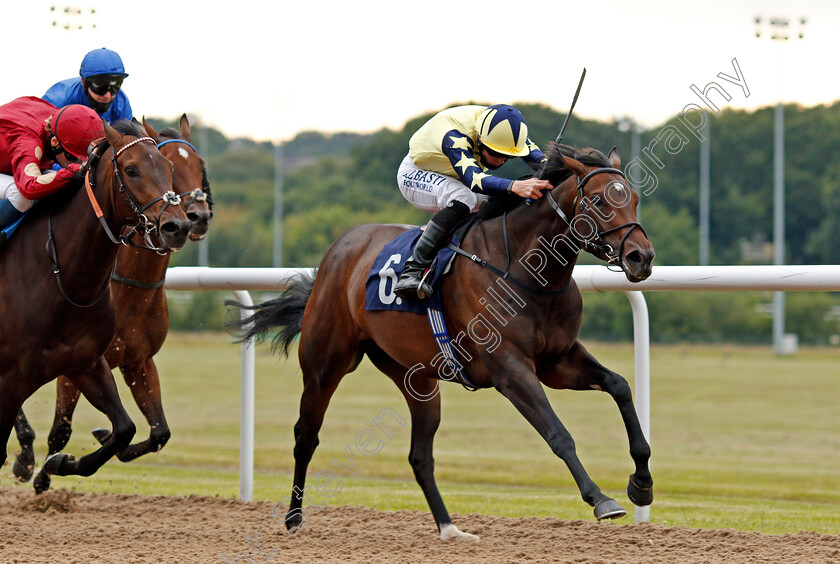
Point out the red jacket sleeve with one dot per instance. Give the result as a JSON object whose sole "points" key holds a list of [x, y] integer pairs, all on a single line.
{"points": [[26, 155]]}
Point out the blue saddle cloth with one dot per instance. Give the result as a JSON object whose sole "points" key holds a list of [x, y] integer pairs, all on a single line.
{"points": [[386, 270], [7, 232]]}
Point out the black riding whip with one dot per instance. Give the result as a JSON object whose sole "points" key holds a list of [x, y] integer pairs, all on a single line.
{"points": [[574, 101], [568, 115]]}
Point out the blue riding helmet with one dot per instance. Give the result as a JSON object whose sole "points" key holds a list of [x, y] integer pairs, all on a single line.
{"points": [[102, 61]]}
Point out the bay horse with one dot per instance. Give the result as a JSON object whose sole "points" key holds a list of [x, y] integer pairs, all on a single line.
{"points": [[56, 309], [535, 322], [140, 302]]}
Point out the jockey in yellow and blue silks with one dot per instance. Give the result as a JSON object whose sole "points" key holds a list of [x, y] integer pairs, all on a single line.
{"points": [[445, 172]]}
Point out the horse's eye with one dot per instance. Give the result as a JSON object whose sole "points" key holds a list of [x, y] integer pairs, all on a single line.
{"points": [[131, 171]]}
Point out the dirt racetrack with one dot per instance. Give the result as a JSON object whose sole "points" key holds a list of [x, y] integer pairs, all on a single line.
{"points": [[86, 528]]}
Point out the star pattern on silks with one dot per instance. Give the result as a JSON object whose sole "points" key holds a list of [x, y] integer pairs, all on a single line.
{"points": [[460, 142], [466, 162], [477, 177]]}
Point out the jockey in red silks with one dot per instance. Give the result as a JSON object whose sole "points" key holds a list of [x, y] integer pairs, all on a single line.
{"points": [[35, 136]]}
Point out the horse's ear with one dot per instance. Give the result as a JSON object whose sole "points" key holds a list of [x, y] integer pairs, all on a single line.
{"points": [[150, 131], [575, 166], [614, 158], [112, 134], [184, 124]]}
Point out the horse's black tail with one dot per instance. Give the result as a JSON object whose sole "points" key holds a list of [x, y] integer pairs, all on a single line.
{"points": [[285, 312]]}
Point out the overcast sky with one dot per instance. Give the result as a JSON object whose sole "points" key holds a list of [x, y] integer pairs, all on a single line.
{"points": [[269, 69]]}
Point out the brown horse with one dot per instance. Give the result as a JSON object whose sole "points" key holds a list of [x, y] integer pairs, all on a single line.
{"points": [[56, 312], [522, 339], [140, 301]]}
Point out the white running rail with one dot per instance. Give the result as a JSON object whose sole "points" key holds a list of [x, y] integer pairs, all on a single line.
{"points": [[821, 278]]}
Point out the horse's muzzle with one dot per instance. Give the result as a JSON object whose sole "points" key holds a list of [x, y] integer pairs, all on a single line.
{"points": [[638, 264], [174, 232], [199, 224]]}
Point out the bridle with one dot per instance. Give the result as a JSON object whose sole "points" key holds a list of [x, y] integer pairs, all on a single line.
{"points": [[596, 242], [144, 224], [592, 244], [196, 194]]}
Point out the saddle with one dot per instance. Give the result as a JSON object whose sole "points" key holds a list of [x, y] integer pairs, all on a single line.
{"points": [[389, 264]]}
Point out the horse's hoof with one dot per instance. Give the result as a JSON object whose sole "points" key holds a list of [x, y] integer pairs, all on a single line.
{"points": [[41, 482], [452, 533], [101, 435], [609, 509], [53, 463], [638, 495], [294, 521], [23, 470]]}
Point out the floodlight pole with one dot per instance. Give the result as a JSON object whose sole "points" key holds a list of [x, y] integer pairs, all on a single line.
{"points": [[705, 165], [779, 32], [277, 256]]}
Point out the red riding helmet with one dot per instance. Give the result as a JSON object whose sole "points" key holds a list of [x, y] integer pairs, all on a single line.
{"points": [[75, 127]]}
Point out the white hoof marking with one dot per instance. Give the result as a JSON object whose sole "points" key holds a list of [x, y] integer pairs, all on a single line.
{"points": [[451, 532]]}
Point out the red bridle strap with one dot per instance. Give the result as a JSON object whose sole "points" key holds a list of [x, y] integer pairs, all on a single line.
{"points": [[98, 210]]}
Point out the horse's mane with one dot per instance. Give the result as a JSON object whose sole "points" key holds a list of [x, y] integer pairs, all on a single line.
{"points": [[170, 133], [554, 171], [128, 127]]}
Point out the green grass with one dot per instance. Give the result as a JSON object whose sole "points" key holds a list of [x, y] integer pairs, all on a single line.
{"points": [[741, 438]]}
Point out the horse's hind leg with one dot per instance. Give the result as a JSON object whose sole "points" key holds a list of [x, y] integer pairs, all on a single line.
{"points": [[25, 460], [66, 399], [322, 372], [423, 398], [98, 386], [142, 380]]}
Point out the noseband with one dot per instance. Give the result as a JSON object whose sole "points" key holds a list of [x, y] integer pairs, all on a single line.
{"points": [[196, 194], [596, 243]]}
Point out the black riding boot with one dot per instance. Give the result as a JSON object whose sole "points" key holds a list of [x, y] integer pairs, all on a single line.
{"points": [[411, 283]]}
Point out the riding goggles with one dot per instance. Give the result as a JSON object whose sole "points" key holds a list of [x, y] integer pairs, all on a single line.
{"points": [[101, 85], [494, 154]]}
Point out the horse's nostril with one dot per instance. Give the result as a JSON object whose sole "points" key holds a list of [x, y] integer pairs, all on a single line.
{"points": [[172, 228]]}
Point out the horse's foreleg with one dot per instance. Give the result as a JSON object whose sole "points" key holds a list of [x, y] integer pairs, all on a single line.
{"points": [[423, 398], [144, 384], [66, 399], [593, 375], [525, 392], [25, 460], [98, 386]]}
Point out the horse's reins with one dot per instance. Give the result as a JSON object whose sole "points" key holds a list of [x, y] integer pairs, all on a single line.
{"points": [[196, 195], [596, 242], [505, 274], [169, 197]]}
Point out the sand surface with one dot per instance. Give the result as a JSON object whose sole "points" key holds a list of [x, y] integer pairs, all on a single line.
{"points": [[85, 528]]}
